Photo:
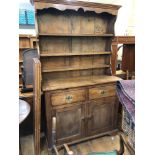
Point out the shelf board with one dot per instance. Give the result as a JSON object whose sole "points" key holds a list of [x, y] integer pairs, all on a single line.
{"points": [[73, 68], [77, 35], [20, 73], [73, 54], [20, 61], [64, 83]]}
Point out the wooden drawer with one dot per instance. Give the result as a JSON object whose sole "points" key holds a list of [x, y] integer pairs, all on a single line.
{"points": [[102, 91], [67, 97]]}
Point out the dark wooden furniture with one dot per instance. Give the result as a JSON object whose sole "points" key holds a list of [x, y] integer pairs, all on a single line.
{"points": [[75, 50], [25, 42], [128, 57], [27, 69], [37, 104]]}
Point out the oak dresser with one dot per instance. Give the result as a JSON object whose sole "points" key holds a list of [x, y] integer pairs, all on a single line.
{"points": [[75, 49]]}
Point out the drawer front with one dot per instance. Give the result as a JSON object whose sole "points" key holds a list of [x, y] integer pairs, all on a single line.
{"points": [[102, 91], [67, 97]]}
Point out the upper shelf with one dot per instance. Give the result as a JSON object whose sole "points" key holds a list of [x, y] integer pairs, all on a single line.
{"points": [[77, 35], [74, 54]]}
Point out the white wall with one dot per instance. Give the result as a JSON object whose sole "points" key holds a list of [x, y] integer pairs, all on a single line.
{"points": [[27, 31]]}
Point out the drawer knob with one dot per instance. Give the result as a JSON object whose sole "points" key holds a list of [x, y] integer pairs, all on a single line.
{"points": [[102, 92], [69, 98]]}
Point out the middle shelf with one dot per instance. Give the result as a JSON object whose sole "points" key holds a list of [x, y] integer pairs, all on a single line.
{"points": [[74, 68], [45, 54]]}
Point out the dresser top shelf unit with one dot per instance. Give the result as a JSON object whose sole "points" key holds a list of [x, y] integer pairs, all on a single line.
{"points": [[55, 84], [75, 42]]}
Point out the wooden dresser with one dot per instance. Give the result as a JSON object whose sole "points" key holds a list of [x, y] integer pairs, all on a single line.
{"points": [[26, 42], [75, 50]]}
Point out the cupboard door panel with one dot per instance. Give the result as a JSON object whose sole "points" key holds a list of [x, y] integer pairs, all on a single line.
{"points": [[101, 116], [69, 123]]}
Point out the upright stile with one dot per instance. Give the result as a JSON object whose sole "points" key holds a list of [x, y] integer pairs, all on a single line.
{"points": [[37, 104]]}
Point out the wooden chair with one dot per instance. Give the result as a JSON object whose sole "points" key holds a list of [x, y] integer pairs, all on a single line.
{"points": [[27, 69]]}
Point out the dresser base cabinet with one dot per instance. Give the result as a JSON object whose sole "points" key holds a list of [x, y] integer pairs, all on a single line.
{"points": [[80, 115]]}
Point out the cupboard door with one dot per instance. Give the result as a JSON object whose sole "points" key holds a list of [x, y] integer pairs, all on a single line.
{"points": [[102, 115], [69, 122]]}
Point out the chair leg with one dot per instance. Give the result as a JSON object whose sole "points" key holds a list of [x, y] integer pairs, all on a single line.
{"points": [[67, 151], [121, 151]]}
